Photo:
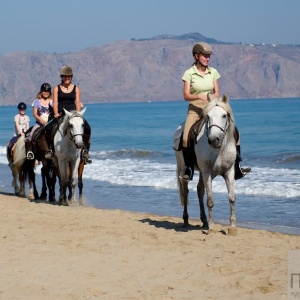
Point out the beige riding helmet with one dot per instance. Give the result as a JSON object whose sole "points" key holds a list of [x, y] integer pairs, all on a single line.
{"points": [[202, 48], [66, 70]]}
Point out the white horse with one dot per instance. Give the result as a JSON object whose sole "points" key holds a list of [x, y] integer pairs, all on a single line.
{"points": [[215, 151], [17, 163], [68, 143]]}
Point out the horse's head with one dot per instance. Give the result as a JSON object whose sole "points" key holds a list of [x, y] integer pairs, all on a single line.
{"points": [[76, 126], [219, 118]]}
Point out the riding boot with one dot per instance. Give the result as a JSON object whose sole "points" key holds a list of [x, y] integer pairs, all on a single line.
{"points": [[188, 171], [51, 126], [29, 153], [86, 156], [239, 172], [86, 139], [48, 147], [49, 154]]}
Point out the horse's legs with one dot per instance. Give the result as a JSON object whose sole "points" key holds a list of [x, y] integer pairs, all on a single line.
{"points": [[80, 182], [30, 168], [44, 186], [63, 193], [207, 180], [184, 192], [51, 180], [63, 183], [73, 182], [229, 179], [22, 185], [183, 188], [14, 183], [200, 193]]}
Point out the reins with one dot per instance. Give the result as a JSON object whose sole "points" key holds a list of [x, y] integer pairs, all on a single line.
{"points": [[224, 129], [215, 125], [72, 136]]}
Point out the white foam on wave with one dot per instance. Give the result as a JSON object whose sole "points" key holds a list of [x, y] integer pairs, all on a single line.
{"points": [[268, 182], [282, 183]]}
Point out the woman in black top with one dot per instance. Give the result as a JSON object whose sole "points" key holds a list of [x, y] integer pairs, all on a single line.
{"points": [[66, 96]]}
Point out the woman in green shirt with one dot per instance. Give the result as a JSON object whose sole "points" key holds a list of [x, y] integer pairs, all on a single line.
{"points": [[200, 84]]}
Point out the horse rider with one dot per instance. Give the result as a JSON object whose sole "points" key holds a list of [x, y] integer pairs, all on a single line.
{"points": [[41, 111], [200, 84], [66, 95], [21, 125]]}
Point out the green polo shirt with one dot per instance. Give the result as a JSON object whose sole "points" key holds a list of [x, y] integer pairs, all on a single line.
{"points": [[201, 84]]}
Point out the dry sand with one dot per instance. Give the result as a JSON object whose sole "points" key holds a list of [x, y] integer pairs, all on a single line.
{"points": [[54, 252]]}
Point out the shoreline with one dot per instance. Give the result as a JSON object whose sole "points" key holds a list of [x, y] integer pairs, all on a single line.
{"points": [[91, 199], [50, 251]]}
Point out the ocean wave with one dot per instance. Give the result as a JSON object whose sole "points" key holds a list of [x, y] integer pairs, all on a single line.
{"points": [[134, 153], [139, 168], [279, 183], [289, 158]]}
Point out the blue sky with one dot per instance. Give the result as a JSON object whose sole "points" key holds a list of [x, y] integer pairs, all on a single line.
{"points": [[70, 26]]}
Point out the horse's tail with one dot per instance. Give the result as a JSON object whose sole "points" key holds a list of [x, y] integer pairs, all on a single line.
{"points": [[27, 171], [24, 171], [182, 186]]}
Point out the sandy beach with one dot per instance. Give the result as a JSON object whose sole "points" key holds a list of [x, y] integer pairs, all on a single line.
{"points": [[76, 252]]}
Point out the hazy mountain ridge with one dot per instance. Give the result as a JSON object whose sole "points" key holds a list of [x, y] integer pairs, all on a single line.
{"points": [[151, 70]]}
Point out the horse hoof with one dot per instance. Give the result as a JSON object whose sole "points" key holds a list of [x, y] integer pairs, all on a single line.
{"points": [[43, 197], [232, 231], [204, 225]]}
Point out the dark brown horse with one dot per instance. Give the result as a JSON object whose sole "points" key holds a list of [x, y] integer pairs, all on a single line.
{"points": [[48, 171]]}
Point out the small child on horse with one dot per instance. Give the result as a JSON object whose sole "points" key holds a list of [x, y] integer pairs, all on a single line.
{"points": [[21, 125]]}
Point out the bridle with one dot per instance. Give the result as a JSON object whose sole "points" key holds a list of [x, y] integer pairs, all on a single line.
{"points": [[73, 136], [224, 129]]}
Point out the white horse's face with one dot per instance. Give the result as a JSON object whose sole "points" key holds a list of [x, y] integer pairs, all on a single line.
{"points": [[217, 125], [76, 128]]}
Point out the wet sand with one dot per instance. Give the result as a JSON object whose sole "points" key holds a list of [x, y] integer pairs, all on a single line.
{"points": [[54, 252]]}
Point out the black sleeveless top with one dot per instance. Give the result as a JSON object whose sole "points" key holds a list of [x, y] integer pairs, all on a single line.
{"points": [[66, 100]]}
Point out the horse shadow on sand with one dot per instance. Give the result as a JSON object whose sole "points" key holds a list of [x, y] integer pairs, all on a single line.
{"points": [[178, 227], [37, 201]]}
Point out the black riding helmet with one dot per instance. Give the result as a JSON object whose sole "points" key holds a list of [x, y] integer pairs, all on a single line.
{"points": [[46, 87], [22, 105]]}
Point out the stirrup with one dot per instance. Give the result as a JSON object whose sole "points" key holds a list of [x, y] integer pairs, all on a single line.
{"points": [[246, 170], [30, 155], [87, 161], [186, 174], [85, 154], [49, 154], [241, 172]]}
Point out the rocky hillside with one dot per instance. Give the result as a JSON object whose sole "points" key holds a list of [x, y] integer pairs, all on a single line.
{"points": [[151, 69]]}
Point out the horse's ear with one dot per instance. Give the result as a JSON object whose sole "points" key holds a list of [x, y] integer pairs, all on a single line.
{"points": [[224, 99], [82, 111], [67, 113]]}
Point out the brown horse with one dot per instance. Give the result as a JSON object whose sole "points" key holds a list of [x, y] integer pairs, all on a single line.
{"points": [[48, 171]]}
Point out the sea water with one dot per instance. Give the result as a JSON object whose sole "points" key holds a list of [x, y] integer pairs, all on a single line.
{"points": [[134, 166]]}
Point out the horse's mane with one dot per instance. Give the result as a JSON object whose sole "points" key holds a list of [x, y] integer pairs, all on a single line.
{"points": [[224, 103]]}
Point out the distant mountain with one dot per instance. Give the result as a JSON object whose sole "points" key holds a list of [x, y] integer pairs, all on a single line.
{"points": [[188, 36], [151, 69]]}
